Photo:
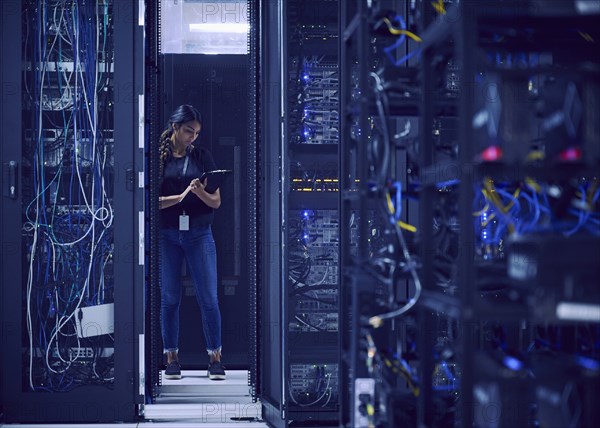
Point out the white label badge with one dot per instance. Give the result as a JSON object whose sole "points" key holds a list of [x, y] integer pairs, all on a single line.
{"points": [[184, 222]]}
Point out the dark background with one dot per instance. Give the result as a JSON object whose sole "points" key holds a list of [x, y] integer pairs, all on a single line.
{"points": [[216, 85]]}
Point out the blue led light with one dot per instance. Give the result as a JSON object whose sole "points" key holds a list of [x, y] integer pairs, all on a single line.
{"points": [[513, 363], [305, 213], [305, 77], [588, 363], [484, 231]]}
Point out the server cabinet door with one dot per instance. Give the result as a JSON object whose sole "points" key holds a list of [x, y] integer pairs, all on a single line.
{"points": [[68, 241]]}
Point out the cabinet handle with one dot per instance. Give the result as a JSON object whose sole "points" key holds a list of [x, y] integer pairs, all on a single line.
{"points": [[12, 180]]}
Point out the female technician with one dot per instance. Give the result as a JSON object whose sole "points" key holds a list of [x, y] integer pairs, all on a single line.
{"points": [[185, 232]]}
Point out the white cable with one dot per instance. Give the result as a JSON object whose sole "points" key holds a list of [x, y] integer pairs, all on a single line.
{"points": [[82, 293], [94, 145], [306, 324], [101, 286], [36, 199], [110, 209], [37, 214], [328, 375], [68, 90], [29, 322], [47, 57], [91, 229], [53, 258], [93, 125], [324, 276], [328, 398], [376, 320], [103, 212], [56, 327], [58, 27]]}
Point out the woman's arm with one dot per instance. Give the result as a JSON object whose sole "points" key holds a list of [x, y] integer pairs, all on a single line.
{"points": [[169, 201], [213, 200]]}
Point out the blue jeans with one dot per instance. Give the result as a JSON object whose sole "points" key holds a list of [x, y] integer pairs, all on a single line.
{"points": [[198, 247]]}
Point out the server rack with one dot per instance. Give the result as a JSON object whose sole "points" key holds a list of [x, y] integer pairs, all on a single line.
{"points": [[269, 275], [531, 154], [438, 101], [310, 210], [253, 222], [380, 282], [68, 358], [499, 126], [300, 153], [311, 264], [153, 108], [353, 155]]}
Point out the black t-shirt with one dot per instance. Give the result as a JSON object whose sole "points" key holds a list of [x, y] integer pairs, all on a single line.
{"points": [[174, 183]]}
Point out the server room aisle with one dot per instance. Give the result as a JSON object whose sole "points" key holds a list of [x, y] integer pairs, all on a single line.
{"points": [[193, 401]]}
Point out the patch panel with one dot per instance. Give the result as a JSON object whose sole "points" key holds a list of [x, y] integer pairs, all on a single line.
{"points": [[314, 322], [313, 384], [319, 99]]}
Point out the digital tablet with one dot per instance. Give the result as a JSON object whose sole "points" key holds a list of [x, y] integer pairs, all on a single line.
{"points": [[215, 179]]}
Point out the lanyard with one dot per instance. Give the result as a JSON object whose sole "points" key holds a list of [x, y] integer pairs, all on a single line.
{"points": [[185, 165]]}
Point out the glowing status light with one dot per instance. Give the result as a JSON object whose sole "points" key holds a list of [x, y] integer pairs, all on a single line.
{"points": [[588, 363], [492, 154], [571, 154], [578, 311], [513, 363], [305, 213], [305, 77], [305, 236], [484, 219]]}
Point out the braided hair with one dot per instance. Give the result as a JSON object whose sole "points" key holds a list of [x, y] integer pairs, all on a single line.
{"points": [[182, 114]]}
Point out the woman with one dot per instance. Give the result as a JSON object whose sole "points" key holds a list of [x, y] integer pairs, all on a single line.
{"points": [[185, 232]]}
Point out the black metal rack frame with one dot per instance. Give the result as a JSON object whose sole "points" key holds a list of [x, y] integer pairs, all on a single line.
{"points": [[460, 38]]}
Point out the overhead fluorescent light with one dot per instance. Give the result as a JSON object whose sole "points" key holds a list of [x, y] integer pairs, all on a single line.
{"points": [[578, 311], [220, 27], [585, 7]]}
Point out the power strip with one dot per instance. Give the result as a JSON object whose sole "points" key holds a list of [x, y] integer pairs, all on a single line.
{"points": [[364, 401]]}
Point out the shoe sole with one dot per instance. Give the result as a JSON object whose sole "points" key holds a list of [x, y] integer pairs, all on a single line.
{"points": [[216, 377], [172, 376]]}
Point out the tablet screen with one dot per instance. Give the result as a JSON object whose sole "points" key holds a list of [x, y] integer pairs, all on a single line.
{"points": [[215, 179]]}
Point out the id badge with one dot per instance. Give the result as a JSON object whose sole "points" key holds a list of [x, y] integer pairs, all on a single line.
{"points": [[184, 222]]}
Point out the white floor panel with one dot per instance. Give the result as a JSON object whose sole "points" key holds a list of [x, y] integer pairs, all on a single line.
{"points": [[199, 377], [201, 425], [193, 398], [196, 399], [128, 425], [196, 383], [204, 412]]}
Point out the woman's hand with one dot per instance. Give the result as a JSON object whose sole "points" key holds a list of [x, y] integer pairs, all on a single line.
{"points": [[185, 192], [169, 201], [196, 184], [198, 187]]}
